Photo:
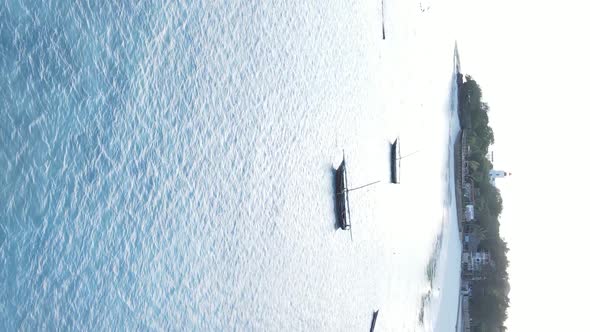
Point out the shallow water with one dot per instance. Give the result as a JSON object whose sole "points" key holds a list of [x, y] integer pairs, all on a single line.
{"points": [[168, 166]]}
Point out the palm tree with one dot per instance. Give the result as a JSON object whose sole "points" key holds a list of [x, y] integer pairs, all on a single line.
{"points": [[479, 231]]}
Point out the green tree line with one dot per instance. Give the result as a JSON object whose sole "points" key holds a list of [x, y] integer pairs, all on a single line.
{"points": [[489, 300]]}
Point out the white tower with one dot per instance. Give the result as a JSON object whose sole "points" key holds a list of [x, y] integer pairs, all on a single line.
{"points": [[494, 174]]}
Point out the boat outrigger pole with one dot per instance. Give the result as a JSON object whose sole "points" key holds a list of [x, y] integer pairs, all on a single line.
{"points": [[366, 185], [409, 154], [348, 204], [342, 190]]}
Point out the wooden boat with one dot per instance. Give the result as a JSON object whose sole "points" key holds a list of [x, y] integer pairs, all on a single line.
{"points": [[374, 321], [341, 192], [383, 19], [395, 162], [343, 208]]}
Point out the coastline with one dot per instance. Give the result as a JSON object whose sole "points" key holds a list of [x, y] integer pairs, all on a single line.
{"points": [[458, 149], [458, 161], [458, 178], [459, 155]]}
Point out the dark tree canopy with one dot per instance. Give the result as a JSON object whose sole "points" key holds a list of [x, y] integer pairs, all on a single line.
{"points": [[489, 300]]}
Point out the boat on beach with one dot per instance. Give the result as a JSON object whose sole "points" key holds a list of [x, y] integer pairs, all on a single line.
{"points": [[383, 19], [374, 321], [343, 207], [395, 161], [341, 194]]}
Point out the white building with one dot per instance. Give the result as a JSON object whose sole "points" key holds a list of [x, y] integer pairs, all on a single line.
{"points": [[474, 261], [495, 174], [469, 212]]}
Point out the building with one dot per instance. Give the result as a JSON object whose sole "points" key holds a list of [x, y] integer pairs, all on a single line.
{"points": [[476, 260], [469, 212], [473, 264], [495, 174], [465, 316]]}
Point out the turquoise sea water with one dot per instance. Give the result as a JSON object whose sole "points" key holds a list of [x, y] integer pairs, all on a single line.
{"points": [[168, 165]]}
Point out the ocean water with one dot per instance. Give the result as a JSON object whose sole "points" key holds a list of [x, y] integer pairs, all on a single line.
{"points": [[169, 166]]}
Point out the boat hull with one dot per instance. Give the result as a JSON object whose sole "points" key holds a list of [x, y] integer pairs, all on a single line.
{"points": [[342, 209], [395, 162]]}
